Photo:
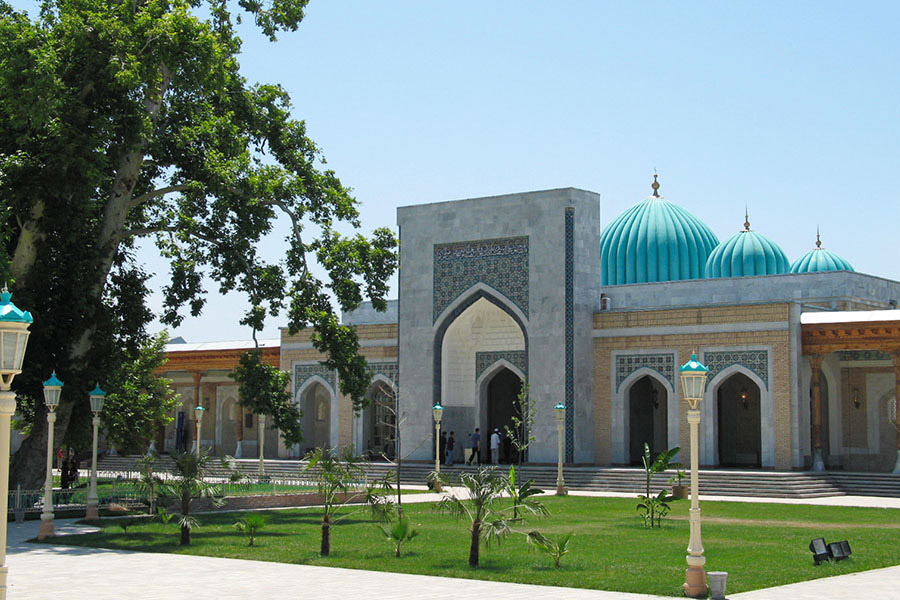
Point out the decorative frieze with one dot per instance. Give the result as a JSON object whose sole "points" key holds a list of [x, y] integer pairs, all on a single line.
{"points": [[303, 373], [756, 361], [662, 363], [517, 358]]}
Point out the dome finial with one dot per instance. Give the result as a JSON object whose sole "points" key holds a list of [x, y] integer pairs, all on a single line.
{"points": [[746, 219], [655, 185], [818, 240]]}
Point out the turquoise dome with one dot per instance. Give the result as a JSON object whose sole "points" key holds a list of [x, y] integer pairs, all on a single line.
{"points": [[819, 259], [654, 241], [746, 253]]}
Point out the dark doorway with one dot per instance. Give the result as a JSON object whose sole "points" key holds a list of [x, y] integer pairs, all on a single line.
{"points": [[740, 432], [379, 421], [501, 407], [647, 418]]}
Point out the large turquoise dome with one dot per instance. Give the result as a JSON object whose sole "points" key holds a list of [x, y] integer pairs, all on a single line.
{"points": [[819, 259], [746, 253], [654, 241]]}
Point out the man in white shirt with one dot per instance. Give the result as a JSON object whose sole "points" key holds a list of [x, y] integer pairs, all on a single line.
{"points": [[495, 446]]}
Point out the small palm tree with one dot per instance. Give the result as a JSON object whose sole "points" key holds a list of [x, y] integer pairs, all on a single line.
{"points": [[149, 484], [188, 483], [336, 476], [521, 495], [481, 508], [398, 531], [251, 524], [556, 547]]}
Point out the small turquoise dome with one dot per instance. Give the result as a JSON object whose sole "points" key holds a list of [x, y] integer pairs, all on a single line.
{"points": [[654, 240], [746, 253], [819, 259]]}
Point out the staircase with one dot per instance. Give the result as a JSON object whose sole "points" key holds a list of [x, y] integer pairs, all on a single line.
{"points": [[719, 482]]}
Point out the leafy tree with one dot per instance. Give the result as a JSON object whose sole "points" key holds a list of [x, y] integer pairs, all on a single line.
{"points": [[251, 524], [189, 483], [263, 390], [523, 417], [481, 507], [336, 476], [654, 508], [141, 401], [125, 120], [555, 547]]}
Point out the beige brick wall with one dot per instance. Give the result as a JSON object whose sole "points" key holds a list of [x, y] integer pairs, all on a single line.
{"points": [[685, 345]]}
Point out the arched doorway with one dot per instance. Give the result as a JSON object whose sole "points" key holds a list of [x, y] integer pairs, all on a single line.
{"points": [[315, 402], [740, 430], [379, 423], [500, 408], [647, 418]]}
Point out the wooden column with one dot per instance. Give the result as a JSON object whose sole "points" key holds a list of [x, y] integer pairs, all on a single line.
{"points": [[815, 363]]}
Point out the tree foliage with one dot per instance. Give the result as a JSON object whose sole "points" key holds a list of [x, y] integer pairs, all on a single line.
{"points": [[139, 401], [124, 120], [263, 389], [521, 434]]}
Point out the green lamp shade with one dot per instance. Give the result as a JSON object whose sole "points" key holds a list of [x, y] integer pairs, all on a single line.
{"points": [[52, 390]]}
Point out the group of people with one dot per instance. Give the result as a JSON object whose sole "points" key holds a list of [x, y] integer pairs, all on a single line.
{"points": [[500, 448]]}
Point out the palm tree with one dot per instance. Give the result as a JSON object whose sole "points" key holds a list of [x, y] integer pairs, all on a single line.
{"points": [[190, 482], [336, 476], [482, 508]]}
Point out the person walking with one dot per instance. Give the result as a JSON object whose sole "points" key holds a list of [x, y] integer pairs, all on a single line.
{"points": [[451, 444], [442, 447], [476, 448], [495, 447]]}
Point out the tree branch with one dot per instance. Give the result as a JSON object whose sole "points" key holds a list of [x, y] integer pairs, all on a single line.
{"points": [[157, 193]]}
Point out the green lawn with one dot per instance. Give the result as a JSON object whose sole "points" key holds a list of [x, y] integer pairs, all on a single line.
{"points": [[759, 545]]}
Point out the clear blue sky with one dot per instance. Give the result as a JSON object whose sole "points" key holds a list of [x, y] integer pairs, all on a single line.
{"points": [[789, 108]]}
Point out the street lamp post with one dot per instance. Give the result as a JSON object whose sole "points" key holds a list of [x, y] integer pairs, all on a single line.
{"points": [[262, 446], [693, 376], [560, 410], [438, 412], [97, 397], [52, 390], [198, 416], [14, 333]]}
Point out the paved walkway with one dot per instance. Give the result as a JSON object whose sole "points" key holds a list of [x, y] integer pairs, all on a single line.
{"points": [[40, 571]]}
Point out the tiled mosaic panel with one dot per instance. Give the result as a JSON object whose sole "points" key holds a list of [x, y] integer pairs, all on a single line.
{"points": [[570, 334], [302, 373], [517, 358], [501, 263], [754, 360], [391, 370], [847, 355], [664, 364]]}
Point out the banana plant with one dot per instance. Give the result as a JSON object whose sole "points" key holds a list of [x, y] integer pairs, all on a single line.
{"points": [[555, 547]]}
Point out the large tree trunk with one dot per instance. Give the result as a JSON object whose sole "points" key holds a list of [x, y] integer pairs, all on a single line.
{"points": [[475, 545], [325, 550], [28, 465]]}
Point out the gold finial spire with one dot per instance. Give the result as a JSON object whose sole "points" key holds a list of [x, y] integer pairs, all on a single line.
{"points": [[746, 219], [655, 185], [818, 240]]}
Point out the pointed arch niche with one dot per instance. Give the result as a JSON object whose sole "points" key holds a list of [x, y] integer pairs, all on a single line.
{"points": [[475, 337]]}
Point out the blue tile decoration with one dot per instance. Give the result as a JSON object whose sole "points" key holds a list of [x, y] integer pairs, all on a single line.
{"points": [[517, 358], [302, 373], [756, 361], [570, 334], [501, 263], [847, 355], [389, 369], [662, 363]]}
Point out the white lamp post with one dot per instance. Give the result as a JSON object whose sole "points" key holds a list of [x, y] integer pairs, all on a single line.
{"points": [[52, 390], [438, 411], [262, 446], [693, 376], [97, 397], [560, 410], [13, 339], [198, 416]]}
